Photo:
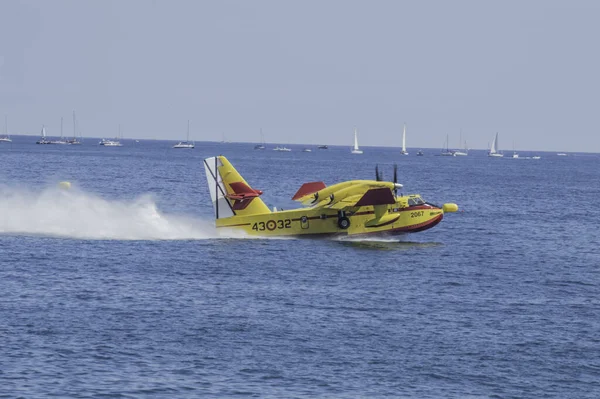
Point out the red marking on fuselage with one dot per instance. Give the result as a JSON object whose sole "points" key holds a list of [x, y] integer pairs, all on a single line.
{"points": [[419, 226]]}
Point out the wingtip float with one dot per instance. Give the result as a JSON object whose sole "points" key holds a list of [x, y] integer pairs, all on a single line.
{"points": [[65, 185], [355, 207]]}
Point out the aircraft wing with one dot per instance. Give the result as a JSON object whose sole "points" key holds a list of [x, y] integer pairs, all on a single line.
{"points": [[347, 202], [370, 197], [351, 193]]}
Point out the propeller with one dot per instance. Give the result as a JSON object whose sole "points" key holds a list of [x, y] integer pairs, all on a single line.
{"points": [[379, 177]]}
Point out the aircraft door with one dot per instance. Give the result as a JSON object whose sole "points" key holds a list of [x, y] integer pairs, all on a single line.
{"points": [[304, 222]]}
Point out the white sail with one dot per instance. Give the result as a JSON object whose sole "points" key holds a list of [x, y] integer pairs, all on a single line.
{"points": [[356, 150], [403, 152], [494, 152], [42, 139], [404, 139], [493, 148]]}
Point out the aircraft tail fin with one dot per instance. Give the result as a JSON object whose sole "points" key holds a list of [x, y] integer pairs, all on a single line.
{"points": [[231, 195]]}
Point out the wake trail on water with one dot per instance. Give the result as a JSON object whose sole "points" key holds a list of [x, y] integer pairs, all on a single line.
{"points": [[400, 241], [76, 214]]}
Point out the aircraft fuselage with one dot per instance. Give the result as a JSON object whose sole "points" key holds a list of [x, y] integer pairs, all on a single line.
{"points": [[398, 218]]}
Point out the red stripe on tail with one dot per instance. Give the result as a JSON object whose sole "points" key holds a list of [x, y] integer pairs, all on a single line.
{"points": [[242, 195]]}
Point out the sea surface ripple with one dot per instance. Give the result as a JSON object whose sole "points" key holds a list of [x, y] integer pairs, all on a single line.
{"points": [[121, 287]]}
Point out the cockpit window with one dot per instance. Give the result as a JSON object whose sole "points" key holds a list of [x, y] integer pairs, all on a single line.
{"points": [[415, 201]]}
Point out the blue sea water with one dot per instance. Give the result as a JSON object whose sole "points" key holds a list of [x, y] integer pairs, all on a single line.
{"points": [[120, 287]]}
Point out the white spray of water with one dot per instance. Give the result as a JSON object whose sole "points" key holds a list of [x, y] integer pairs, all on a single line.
{"points": [[76, 214]]}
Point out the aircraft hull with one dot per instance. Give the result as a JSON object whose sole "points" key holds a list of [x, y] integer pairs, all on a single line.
{"points": [[326, 222]]}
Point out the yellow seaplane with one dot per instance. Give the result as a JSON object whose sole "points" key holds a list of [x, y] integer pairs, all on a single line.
{"points": [[351, 208]]}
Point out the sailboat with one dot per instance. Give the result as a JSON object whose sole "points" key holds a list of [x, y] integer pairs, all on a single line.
{"points": [[404, 152], [6, 138], [74, 140], [61, 140], [461, 153], [186, 143], [260, 146], [43, 139], [494, 148], [446, 152], [112, 143], [356, 150], [515, 155]]}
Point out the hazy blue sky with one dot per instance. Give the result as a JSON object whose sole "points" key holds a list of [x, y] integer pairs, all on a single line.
{"points": [[307, 71]]}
